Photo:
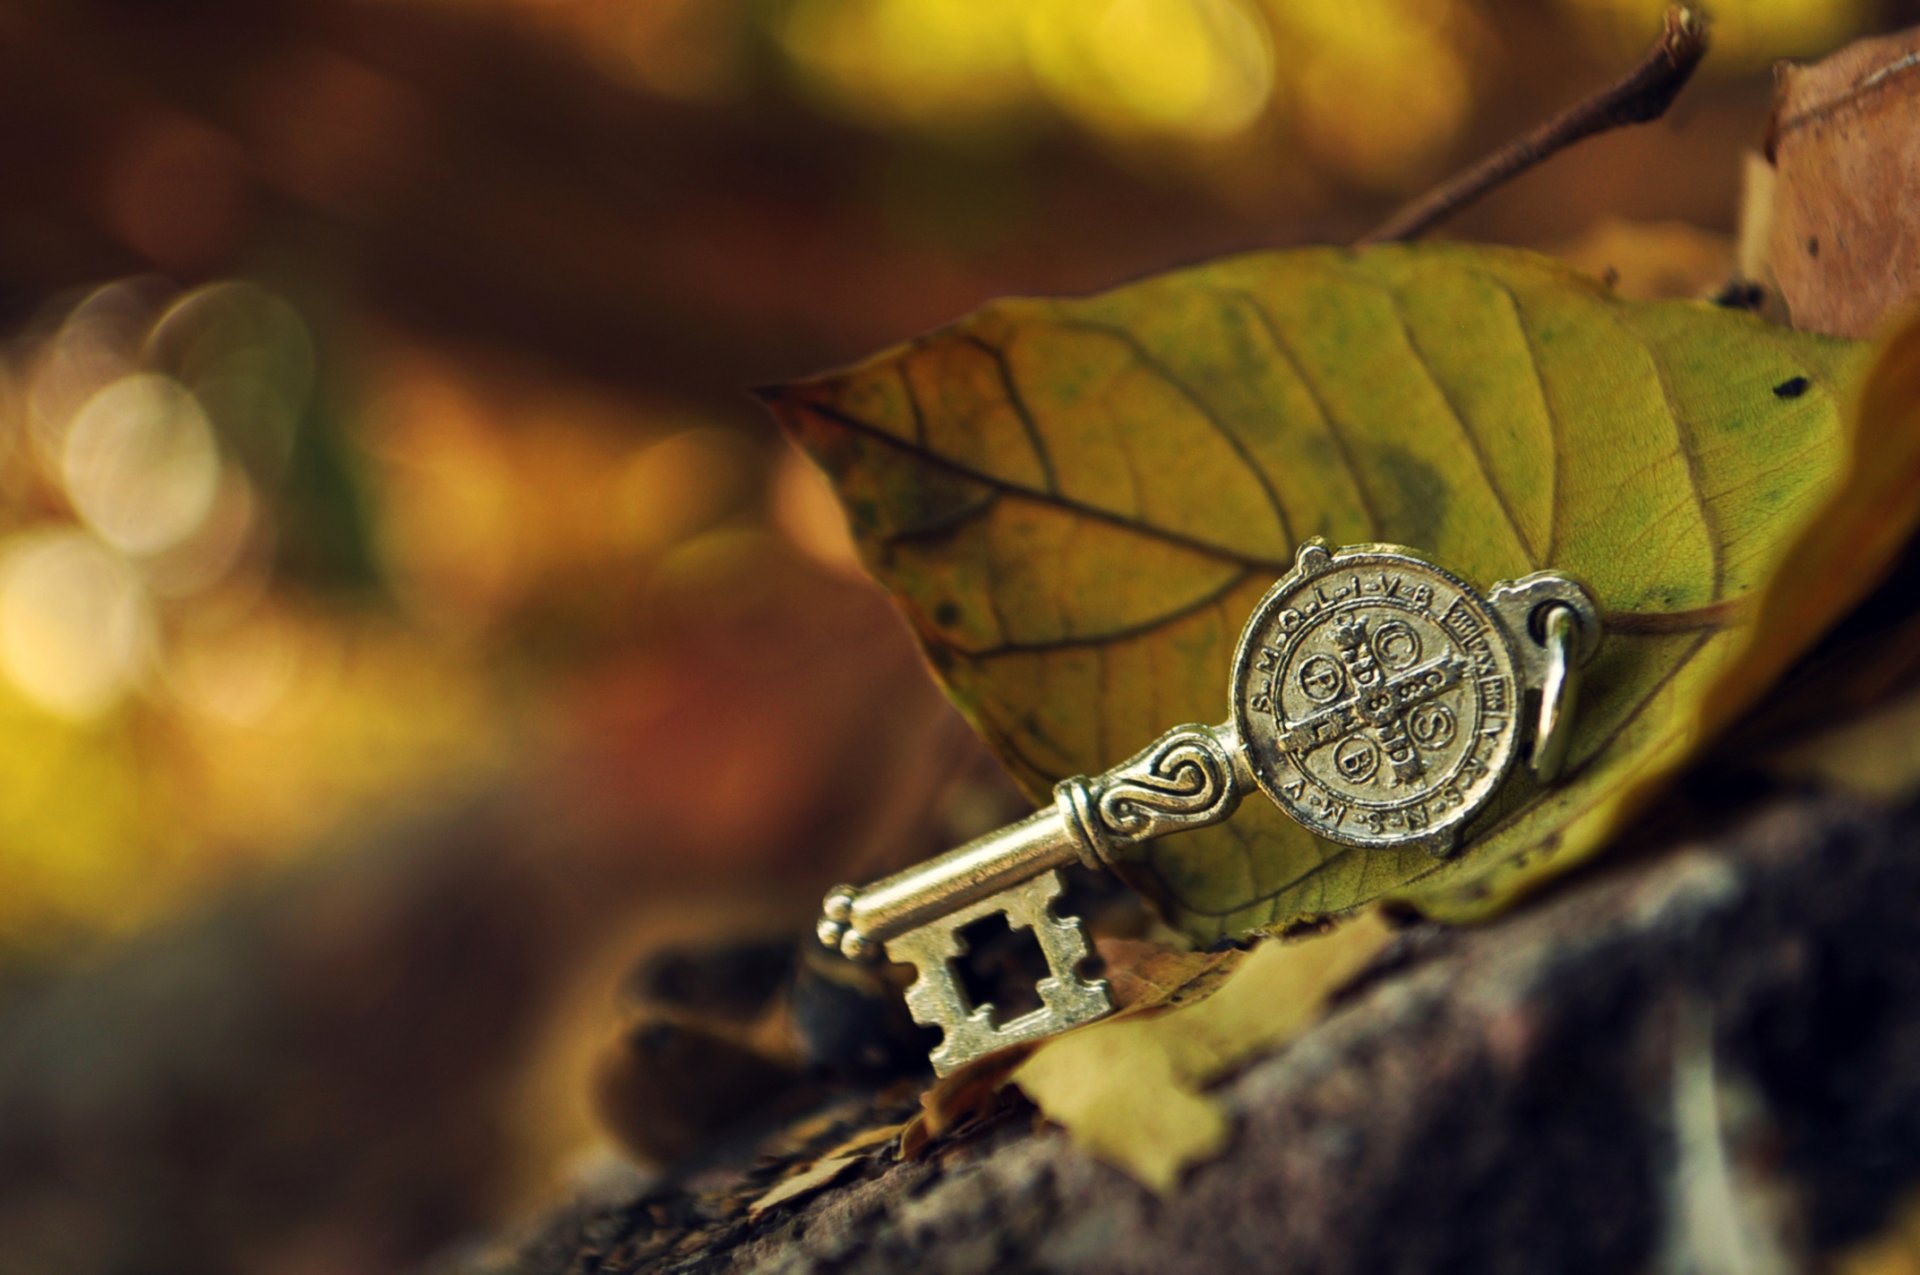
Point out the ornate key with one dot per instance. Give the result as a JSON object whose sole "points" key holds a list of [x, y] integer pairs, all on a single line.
{"points": [[1377, 698]]}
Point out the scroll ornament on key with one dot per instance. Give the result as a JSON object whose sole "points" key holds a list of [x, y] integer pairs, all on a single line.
{"points": [[1189, 777], [1377, 698]]}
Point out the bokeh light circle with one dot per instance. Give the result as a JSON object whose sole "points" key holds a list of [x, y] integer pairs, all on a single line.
{"points": [[75, 622], [140, 463]]}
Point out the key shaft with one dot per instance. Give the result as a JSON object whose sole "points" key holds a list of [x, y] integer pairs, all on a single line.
{"points": [[1190, 776], [859, 920]]}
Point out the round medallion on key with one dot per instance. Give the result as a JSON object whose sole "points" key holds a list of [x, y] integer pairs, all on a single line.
{"points": [[1377, 696]]}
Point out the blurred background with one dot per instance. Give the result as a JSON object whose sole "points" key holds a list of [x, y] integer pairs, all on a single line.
{"points": [[407, 617]]}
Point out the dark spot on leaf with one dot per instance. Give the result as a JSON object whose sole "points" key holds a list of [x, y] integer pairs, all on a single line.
{"points": [[1419, 493], [1792, 387], [1813, 247], [947, 614]]}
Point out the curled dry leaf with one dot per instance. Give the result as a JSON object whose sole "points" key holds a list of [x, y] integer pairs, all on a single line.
{"points": [[1076, 503], [667, 1080], [1844, 244]]}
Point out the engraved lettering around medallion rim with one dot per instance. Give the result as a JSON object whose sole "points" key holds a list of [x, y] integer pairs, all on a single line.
{"points": [[1413, 734]]}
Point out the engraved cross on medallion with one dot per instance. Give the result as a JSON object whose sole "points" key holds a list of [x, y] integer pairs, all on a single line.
{"points": [[1377, 712]]}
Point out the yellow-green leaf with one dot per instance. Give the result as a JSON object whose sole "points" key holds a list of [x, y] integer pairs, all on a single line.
{"points": [[1078, 502]]}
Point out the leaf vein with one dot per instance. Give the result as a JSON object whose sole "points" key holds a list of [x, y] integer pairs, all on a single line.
{"points": [[1689, 446], [945, 525], [1555, 433], [1213, 549], [1153, 364], [1335, 434], [1397, 303], [1018, 402], [1186, 610], [914, 405]]}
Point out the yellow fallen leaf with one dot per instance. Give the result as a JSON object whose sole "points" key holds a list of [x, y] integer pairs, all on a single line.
{"points": [[1133, 1089], [1875, 754], [1844, 549], [1077, 503]]}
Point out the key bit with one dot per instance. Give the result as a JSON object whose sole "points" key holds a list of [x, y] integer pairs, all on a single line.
{"points": [[937, 1000]]}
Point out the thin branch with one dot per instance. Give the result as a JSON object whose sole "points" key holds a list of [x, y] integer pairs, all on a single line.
{"points": [[1641, 97]]}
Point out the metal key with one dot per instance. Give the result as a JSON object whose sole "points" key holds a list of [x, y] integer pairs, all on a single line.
{"points": [[1376, 697]]}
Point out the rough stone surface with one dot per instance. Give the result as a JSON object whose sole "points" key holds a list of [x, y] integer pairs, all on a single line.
{"points": [[1714, 1045]]}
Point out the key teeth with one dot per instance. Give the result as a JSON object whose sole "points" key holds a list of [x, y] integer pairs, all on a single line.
{"points": [[1069, 935], [1070, 941], [923, 998], [923, 1003], [953, 1050]]}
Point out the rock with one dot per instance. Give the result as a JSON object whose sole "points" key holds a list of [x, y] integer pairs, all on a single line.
{"points": [[1703, 1059]]}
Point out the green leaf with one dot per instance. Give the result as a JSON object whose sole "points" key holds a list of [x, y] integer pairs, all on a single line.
{"points": [[1077, 503]]}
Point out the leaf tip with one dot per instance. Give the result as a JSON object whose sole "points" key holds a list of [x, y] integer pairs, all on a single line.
{"points": [[784, 401]]}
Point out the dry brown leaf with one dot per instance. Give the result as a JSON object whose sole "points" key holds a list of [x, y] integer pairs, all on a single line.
{"points": [[1845, 141], [824, 1172], [666, 1080]]}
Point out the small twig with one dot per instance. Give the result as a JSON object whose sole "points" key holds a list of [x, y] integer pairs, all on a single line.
{"points": [[1642, 96]]}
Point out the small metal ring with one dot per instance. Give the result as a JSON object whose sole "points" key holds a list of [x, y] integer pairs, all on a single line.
{"points": [[1559, 690]]}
